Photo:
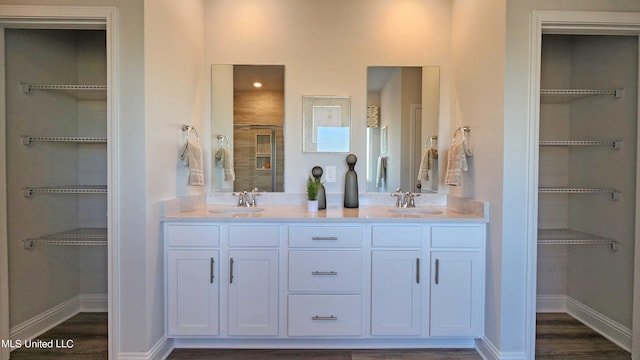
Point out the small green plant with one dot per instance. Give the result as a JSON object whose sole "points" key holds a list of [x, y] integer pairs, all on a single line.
{"points": [[313, 188]]}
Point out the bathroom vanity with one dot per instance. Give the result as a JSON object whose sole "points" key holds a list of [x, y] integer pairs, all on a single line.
{"points": [[278, 276]]}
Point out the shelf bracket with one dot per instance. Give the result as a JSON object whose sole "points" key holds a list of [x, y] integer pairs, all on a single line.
{"points": [[26, 88], [27, 140], [27, 192], [616, 194]]}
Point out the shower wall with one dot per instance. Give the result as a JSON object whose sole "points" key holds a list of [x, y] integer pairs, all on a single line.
{"points": [[257, 113]]}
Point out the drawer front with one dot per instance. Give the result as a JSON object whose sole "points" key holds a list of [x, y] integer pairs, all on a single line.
{"points": [[457, 236], [396, 236], [193, 235], [328, 271], [254, 235], [325, 236], [325, 315]]}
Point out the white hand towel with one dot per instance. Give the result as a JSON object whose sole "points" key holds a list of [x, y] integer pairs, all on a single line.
{"points": [[426, 163], [381, 174], [226, 162], [456, 164], [193, 158]]}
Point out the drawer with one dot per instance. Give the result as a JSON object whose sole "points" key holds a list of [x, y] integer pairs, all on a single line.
{"points": [[325, 236], [254, 235], [396, 236], [325, 315], [319, 270], [457, 236], [193, 235]]}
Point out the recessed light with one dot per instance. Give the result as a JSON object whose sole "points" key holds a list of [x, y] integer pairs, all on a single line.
{"points": [[257, 84]]}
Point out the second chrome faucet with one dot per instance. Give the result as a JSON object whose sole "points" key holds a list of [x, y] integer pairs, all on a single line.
{"points": [[248, 199], [405, 199]]}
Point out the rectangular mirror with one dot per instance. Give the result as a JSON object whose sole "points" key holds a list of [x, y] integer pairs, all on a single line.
{"points": [[402, 128], [326, 124], [247, 120]]}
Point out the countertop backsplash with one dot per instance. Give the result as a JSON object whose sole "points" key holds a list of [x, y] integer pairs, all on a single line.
{"points": [[372, 199]]}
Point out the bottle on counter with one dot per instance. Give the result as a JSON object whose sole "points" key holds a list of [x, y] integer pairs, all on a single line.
{"points": [[351, 183], [322, 195]]}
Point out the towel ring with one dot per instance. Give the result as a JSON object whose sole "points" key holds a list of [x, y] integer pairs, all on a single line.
{"points": [[433, 139], [463, 130], [221, 139], [188, 129]]}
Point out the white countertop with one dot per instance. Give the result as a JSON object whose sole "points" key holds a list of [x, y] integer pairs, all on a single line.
{"points": [[299, 213]]}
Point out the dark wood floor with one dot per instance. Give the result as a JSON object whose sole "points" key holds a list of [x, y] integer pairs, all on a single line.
{"points": [[88, 331], [559, 336]]}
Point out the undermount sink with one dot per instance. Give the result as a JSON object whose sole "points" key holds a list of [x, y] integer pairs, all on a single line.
{"points": [[237, 210], [414, 211]]}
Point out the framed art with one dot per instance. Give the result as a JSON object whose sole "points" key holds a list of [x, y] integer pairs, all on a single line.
{"points": [[326, 122]]}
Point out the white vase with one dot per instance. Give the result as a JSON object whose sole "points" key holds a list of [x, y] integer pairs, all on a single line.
{"points": [[312, 205]]}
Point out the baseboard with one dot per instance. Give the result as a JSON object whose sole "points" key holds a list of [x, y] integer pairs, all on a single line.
{"points": [[551, 303], [94, 302], [612, 330], [48, 319], [159, 351], [605, 326], [488, 351]]}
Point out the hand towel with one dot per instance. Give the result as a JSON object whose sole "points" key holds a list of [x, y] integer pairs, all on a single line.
{"points": [[192, 157], [426, 163], [226, 162], [381, 173], [456, 164]]}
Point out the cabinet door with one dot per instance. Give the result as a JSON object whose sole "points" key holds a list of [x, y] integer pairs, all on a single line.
{"points": [[192, 292], [456, 293], [253, 292], [395, 292]]}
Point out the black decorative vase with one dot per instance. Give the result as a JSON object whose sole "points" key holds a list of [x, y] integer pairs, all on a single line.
{"points": [[351, 183], [322, 195]]}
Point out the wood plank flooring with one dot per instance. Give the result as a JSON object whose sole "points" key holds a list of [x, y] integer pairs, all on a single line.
{"points": [[559, 336], [88, 331]]}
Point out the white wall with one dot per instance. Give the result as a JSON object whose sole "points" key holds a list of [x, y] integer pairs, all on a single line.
{"points": [[326, 47], [478, 42], [174, 92]]}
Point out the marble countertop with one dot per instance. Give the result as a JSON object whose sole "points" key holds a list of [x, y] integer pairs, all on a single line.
{"points": [[299, 213]]}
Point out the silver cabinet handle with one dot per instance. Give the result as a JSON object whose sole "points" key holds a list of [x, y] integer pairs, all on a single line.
{"points": [[211, 275], [231, 271], [324, 238], [317, 317], [437, 271], [417, 270], [324, 273]]}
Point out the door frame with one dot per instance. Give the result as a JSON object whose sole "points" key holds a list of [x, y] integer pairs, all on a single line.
{"points": [[576, 23], [68, 17]]}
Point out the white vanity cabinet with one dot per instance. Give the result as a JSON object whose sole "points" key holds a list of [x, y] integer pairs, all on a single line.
{"points": [[457, 280], [253, 287], [291, 283], [193, 283], [396, 280], [325, 280]]}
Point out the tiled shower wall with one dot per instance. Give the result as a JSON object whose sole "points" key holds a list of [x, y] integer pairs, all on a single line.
{"points": [[257, 109]]}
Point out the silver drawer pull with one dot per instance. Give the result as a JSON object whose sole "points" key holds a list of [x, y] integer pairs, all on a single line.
{"points": [[324, 238], [317, 317], [324, 273]]}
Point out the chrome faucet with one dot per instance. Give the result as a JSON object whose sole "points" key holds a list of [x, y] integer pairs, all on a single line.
{"points": [[248, 199], [405, 200]]}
